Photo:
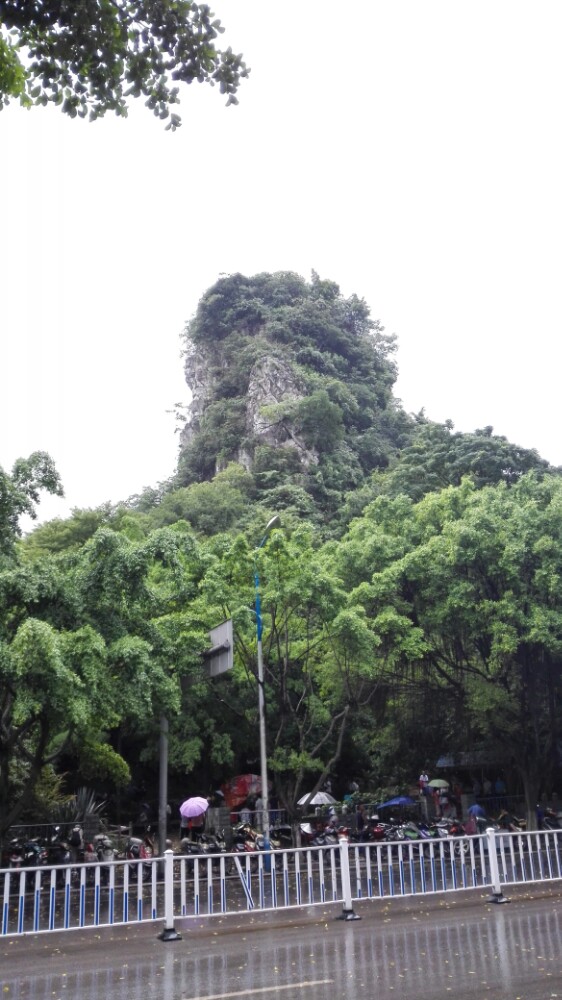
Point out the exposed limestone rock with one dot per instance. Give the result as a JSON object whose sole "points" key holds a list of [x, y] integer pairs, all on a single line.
{"points": [[200, 381], [273, 383]]}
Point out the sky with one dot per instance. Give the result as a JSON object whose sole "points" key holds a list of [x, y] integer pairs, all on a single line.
{"points": [[410, 151]]}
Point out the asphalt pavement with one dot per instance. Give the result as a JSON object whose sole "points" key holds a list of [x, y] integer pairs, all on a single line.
{"points": [[426, 948]]}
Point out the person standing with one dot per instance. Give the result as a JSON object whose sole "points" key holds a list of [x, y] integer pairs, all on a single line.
{"points": [[436, 799], [360, 818], [332, 824], [259, 813], [423, 782], [500, 790]]}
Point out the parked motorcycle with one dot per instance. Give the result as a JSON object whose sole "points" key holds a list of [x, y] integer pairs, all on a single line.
{"points": [[25, 853], [307, 833], [550, 820], [484, 823], [421, 830], [139, 850], [58, 848], [507, 821], [447, 827], [58, 853], [247, 840], [206, 845], [105, 852], [377, 830], [319, 835], [283, 833]]}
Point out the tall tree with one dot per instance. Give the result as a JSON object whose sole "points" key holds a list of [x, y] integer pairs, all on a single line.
{"points": [[91, 641], [55, 688], [20, 491], [317, 655], [437, 457], [89, 56], [473, 607]]}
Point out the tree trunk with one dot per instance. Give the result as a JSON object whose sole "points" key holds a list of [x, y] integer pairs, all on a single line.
{"points": [[9, 817], [531, 787]]}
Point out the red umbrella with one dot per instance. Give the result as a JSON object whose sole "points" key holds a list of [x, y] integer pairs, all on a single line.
{"points": [[237, 790]]}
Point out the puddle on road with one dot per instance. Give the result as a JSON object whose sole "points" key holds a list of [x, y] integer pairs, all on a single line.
{"points": [[470, 952]]}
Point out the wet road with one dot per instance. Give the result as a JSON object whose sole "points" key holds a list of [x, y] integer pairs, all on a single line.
{"points": [[424, 949]]}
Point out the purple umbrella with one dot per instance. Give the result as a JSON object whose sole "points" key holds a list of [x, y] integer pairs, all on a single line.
{"points": [[193, 807]]}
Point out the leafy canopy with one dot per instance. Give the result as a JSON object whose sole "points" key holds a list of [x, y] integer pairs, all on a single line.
{"points": [[469, 606], [90, 56], [19, 493], [320, 369]]}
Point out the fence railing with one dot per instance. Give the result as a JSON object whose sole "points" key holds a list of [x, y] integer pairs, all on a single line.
{"points": [[178, 887]]}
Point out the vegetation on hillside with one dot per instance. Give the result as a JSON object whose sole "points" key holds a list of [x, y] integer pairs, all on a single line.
{"points": [[411, 598], [339, 358]]}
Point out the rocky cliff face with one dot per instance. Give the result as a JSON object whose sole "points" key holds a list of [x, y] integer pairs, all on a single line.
{"points": [[291, 380], [273, 389], [201, 383], [272, 384]]}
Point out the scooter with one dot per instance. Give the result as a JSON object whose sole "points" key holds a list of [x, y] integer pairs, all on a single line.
{"points": [[283, 833], [58, 853], [247, 840], [377, 830], [105, 852], [454, 828], [206, 845], [551, 820], [139, 850], [508, 821], [25, 854]]}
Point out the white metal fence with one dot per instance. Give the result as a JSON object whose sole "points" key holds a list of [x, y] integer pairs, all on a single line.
{"points": [[35, 900]]}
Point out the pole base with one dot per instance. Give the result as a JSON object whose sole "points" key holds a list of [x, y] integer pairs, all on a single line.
{"points": [[498, 898], [169, 934], [348, 915]]}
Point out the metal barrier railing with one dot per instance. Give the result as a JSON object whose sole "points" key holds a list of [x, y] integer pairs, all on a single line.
{"points": [[179, 887]]}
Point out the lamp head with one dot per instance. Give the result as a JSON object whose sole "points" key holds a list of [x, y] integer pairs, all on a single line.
{"points": [[275, 522]]}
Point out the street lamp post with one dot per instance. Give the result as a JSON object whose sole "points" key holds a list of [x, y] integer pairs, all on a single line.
{"points": [[273, 523]]}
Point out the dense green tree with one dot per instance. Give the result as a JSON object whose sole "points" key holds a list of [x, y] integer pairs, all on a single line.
{"points": [[19, 493], [317, 657], [55, 689], [93, 641], [209, 507], [437, 457], [90, 56], [61, 534], [466, 598], [431, 456]]}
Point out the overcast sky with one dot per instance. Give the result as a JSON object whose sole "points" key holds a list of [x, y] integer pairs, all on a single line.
{"points": [[409, 150]]}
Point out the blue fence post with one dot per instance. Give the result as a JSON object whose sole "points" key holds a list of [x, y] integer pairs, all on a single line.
{"points": [[169, 933]]}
